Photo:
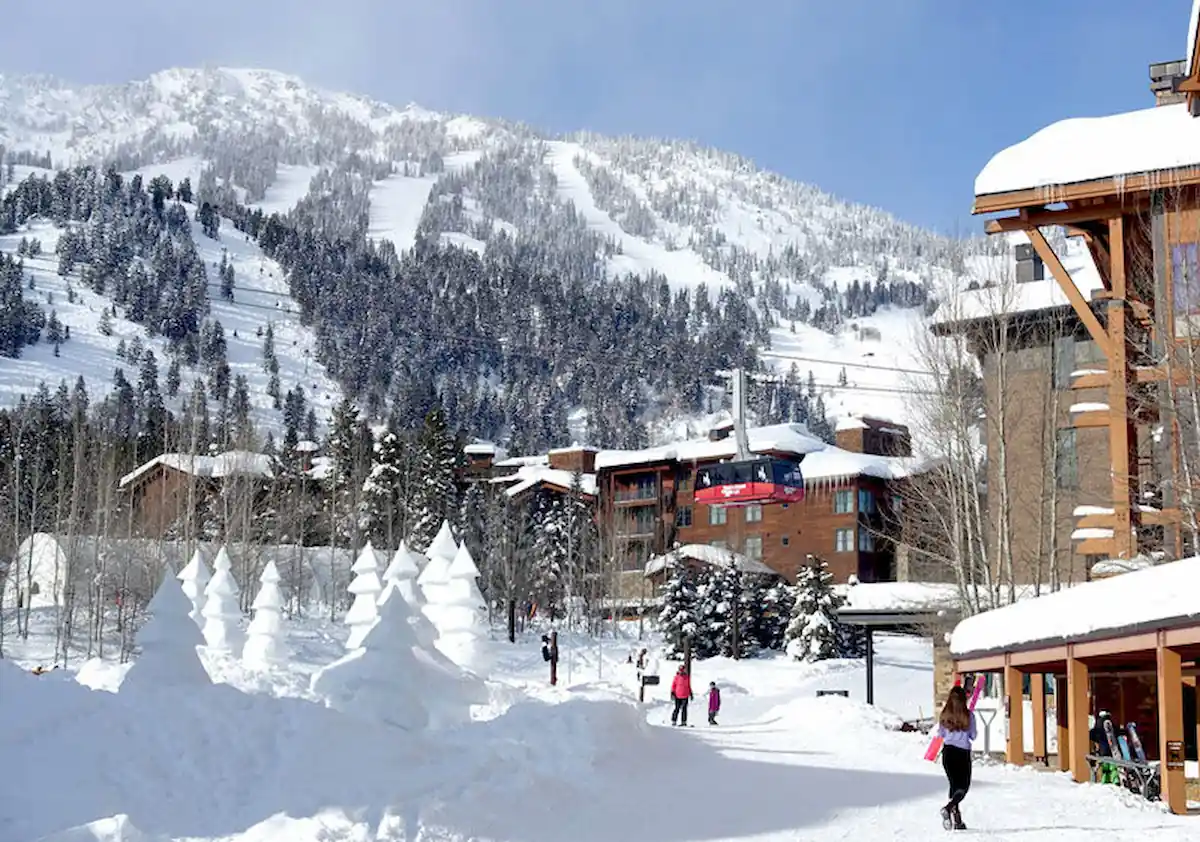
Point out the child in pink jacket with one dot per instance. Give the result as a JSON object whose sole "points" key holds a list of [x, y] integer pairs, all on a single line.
{"points": [[714, 702]]}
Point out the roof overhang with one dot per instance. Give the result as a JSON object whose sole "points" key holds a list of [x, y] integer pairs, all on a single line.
{"points": [[1177, 632], [1131, 186], [893, 617]]}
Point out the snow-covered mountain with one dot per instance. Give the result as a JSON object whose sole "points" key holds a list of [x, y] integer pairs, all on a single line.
{"points": [[837, 285]]}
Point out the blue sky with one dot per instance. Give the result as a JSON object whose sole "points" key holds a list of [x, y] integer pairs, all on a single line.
{"points": [[896, 103]]}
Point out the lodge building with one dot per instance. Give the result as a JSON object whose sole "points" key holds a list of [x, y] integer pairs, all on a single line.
{"points": [[1126, 188], [849, 516]]}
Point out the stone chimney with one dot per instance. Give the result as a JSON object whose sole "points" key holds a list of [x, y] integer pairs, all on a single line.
{"points": [[1164, 77]]}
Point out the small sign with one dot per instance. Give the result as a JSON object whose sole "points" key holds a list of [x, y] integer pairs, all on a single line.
{"points": [[1174, 755]]}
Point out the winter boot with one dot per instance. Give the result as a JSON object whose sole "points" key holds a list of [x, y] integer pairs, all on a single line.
{"points": [[958, 822], [947, 820]]}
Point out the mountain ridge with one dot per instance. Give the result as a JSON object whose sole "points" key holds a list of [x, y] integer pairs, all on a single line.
{"points": [[814, 275]]}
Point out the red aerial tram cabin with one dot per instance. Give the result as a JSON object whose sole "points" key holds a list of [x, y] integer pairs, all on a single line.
{"points": [[762, 479]]}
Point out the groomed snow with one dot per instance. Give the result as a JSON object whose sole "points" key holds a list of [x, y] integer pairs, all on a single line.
{"points": [[242, 762], [1089, 148], [683, 268], [1154, 597]]}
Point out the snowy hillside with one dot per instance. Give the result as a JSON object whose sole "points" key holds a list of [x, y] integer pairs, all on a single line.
{"points": [[102, 340], [815, 271]]}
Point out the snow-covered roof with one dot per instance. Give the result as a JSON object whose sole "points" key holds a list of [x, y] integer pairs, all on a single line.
{"points": [[822, 462], [1156, 597], [898, 597], [781, 438], [229, 463], [479, 447], [1003, 294], [1082, 149], [530, 476], [850, 422], [518, 461], [706, 554]]}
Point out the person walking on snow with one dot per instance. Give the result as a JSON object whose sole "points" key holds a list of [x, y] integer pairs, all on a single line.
{"points": [[681, 693], [956, 727], [714, 702]]}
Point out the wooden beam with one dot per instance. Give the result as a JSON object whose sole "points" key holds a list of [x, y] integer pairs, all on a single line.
{"points": [[1095, 418], [1014, 751], [1100, 188], [1060, 718], [1031, 217], [1065, 282], [1122, 438], [1077, 720], [1037, 695], [1095, 546], [1090, 381], [1170, 727]]}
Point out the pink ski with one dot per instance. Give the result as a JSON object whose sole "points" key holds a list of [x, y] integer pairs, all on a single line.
{"points": [[935, 745]]}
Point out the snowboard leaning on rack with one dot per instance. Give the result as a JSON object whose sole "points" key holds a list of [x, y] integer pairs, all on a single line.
{"points": [[935, 745]]}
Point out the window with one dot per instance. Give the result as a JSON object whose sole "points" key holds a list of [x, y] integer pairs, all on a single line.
{"points": [[685, 482], [843, 541], [843, 502], [716, 516], [683, 516], [1064, 361], [866, 541], [720, 545], [754, 546], [1066, 461], [785, 540], [754, 513], [866, 502]]}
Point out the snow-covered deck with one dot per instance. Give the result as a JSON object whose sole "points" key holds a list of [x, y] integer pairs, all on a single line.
{"points": [[1155, 598]]}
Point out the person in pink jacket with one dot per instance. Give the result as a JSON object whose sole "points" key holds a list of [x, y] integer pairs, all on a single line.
{"points": [[681, 693], [714, 702]]}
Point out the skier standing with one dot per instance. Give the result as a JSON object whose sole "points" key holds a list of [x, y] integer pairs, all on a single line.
{"points": [[956, 727], [714, 702], [681, 693]]}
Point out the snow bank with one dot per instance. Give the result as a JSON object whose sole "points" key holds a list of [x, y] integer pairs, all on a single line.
{"points": [[1154, 597]]}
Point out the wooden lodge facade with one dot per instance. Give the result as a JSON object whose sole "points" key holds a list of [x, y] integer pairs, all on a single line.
{"points": [[1128, 187]]}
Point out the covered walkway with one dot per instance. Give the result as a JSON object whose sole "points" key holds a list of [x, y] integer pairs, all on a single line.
{"points": [[1128, 645]]}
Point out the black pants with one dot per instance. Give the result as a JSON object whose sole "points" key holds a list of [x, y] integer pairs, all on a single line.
{"points": [[679, 714], [957, 763]]}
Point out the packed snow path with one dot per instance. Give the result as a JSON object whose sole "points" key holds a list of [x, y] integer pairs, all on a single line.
{"points": [[578, 762]]}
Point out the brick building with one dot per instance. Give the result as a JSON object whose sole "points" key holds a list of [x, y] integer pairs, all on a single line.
{"points": [[849, 515]]}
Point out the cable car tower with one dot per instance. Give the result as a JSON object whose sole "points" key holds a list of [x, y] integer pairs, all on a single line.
{"points": [[747, 478]]}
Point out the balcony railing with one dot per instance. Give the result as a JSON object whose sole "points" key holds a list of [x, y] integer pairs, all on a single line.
{"points": [[625, 495]]}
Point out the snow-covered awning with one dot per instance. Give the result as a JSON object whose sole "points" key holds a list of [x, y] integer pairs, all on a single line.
{"points": [[1153, 598], [708, 555], [1149, 141]]}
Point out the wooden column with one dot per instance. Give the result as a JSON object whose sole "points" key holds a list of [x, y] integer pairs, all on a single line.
{"points": [[1077, 719], [1015, 749], [1037, 696], [1122, 438], [1170, 726], [1062, 718]]}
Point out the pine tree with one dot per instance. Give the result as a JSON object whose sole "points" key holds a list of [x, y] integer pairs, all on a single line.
{"points": [[774, 601], [679, 617], [435, 493], [384, 506], [549, 552], [812, 631]]}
